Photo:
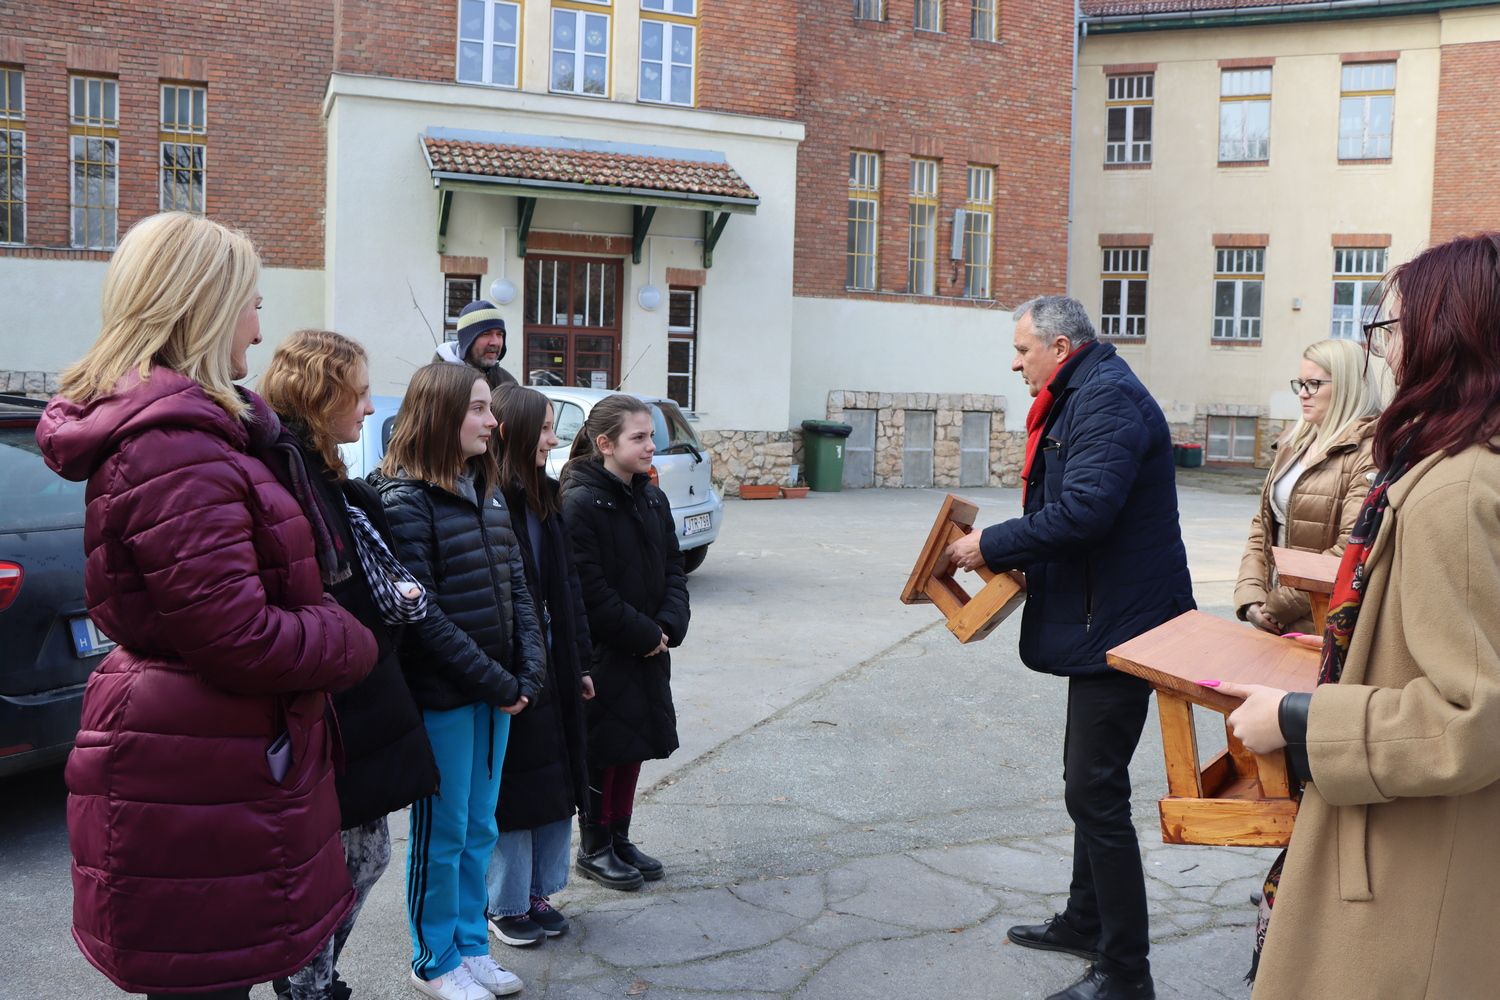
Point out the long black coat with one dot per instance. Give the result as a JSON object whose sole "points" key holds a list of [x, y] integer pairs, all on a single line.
{"points": [[625, 550], [545, 779], [480, 641], [388, 762]]}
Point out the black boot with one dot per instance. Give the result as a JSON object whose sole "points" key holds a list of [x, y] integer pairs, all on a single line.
{"points": [[649, 867], [597, 860]]}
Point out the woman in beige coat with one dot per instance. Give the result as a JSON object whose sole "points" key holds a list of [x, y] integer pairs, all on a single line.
{"points": [[1323, 468], [1391, 882]]}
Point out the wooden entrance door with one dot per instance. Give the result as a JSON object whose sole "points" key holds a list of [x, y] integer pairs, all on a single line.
{"points": [[572, 319]]}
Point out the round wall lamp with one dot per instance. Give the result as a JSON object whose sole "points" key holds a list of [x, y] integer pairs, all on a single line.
{"points": [[503, 291], [649, 297]]}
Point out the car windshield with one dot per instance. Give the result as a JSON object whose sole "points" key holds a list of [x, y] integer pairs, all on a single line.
{"points": [[671, 431], [32, 496]]}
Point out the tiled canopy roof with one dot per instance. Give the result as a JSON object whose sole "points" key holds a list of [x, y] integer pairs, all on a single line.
{"points": [[586, 167], [1107, 8]]}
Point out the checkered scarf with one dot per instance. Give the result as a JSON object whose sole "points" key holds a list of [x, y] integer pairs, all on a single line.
{"points": [[400, 598]]}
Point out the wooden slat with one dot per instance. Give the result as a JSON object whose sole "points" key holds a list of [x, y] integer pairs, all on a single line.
{"points": [[1228, 822], [1179, 741], [970, 618], [1313, 572], [953, 511], [987, 609], [1319, 604]]}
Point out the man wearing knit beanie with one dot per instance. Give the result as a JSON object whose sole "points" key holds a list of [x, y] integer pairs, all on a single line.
{"points": [[480, 344]]}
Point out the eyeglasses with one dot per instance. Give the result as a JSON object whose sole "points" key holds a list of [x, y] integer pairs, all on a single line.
{"points": [[1308, 385], [1379, 334]]}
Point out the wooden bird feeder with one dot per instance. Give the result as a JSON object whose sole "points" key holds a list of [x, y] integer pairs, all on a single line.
{"points": [[1239, 799], [970, 618], [1310, 572]]}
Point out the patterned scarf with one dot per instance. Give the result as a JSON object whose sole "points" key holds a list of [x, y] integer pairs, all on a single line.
{"points": [[400, 598], [1036, 417], [1343, 614]]}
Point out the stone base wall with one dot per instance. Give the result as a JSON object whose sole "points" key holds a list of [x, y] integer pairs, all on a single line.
{"points": [[754, 457], [1007, 448], [39, 384]]}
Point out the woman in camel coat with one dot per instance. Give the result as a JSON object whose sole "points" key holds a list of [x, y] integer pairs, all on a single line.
{"points": [[1391, 878]]}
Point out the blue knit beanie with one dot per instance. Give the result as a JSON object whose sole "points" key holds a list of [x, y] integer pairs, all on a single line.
{"points": [[477, 318]]}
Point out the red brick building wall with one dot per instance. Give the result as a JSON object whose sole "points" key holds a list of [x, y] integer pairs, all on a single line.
{"points": [[885, 87], [1466, 172], [265, 65]]}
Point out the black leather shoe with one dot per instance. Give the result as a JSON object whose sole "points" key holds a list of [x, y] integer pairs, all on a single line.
{"points": [[649, 867], [1055, 935], [597, 859], [1097, 984]]}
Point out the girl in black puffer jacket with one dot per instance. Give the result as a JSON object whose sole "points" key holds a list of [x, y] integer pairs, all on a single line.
{"points": [[476, 660], [625, 550]]}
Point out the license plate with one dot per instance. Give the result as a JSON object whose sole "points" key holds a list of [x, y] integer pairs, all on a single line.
{"points": [[88, 640], [697, 524]]}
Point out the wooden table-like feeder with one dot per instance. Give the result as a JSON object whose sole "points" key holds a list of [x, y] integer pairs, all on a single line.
{"points": [[1240, 799], [1310, 572], [970, 618]]}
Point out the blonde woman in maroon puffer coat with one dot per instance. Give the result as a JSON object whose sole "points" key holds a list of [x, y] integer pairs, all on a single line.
{"points": [[201, 811]]}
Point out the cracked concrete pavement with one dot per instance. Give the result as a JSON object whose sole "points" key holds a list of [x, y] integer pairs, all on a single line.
{"points": [[860, 809]]}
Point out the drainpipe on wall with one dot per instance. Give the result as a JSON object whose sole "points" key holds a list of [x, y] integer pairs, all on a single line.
{"points": [[1080, 28]]}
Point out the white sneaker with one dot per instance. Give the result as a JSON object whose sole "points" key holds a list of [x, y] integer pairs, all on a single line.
{"points": [[456, 984], [488, 974]]}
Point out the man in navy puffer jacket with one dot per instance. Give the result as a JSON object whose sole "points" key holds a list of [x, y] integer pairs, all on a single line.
{"points": [[1101, 547]]}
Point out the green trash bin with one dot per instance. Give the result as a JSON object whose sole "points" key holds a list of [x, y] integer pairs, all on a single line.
{"points": [[1190, 456], [823, 441]]}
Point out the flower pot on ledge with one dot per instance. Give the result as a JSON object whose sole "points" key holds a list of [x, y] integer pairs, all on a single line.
{"points": [[794, 492], [749, 492]]}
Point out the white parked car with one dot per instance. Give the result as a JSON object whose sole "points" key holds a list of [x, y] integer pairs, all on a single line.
{"points": [[683, 469]]}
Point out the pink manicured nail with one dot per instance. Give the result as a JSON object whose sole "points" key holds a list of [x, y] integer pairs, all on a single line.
{"points": [[1209, 684], [1291, 635]]}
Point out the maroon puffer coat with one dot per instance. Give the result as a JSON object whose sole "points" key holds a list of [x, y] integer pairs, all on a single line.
{"points": [[192, 867]]}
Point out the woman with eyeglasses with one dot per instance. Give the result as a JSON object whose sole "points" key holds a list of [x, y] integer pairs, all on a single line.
{"points": [[1391, 878], [1322, 470]]}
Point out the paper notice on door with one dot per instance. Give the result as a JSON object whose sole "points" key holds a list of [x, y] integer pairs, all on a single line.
{"points": [[598, 380]]}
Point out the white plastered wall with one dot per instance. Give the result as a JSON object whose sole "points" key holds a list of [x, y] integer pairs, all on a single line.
{"points": [[382, 244]]}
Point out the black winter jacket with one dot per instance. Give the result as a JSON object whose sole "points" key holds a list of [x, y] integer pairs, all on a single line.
{"points": [[545, 778], [625, 550], [1100, 541], [480, 641], [388, 763]]}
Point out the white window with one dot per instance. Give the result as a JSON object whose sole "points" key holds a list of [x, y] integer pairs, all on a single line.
{"points": [[979, 228], [927, 15], [12, 155], [1231, 439], [982, 20], [686, 8], [921, 267], [1128, 109], [580, 52], [1244, 115], [1356, 290], [184, 132], [869, 10], [682, 346], [1122, 312], [668, 54], [1239, 280], [1366, 106], [489, 41], [458, 291], [861, 256], [94, 152]]}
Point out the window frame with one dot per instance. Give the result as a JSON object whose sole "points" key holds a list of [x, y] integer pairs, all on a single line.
{"points": [[921, 225], [1241, 267], [1125, 266], [865, 177], [1243, 102], [579, 53], [194, 137], [450, 319], [85, 128], [668, 22], [979, 207], [869, 10], [1366, 98], [1230, 437], [487, 45], [934, 10], [684, 335], [1363, 269], [1124, 92], [986, 13], [13, 129]]}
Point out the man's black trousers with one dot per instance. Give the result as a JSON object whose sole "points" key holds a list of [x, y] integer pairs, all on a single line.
{"points": [[1108, 896]]}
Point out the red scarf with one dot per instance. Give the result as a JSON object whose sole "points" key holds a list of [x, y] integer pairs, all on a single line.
{"points": [[1036, 417]]}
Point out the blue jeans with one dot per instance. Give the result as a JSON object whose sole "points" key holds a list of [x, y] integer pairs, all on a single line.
{"points": [[452, 836], [528, 863]]}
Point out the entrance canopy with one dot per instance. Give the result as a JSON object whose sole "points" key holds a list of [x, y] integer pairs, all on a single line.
{"points": [[528, 167]]}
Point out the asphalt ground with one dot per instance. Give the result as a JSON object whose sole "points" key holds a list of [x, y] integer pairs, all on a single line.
{"points": [[860, 807]]}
